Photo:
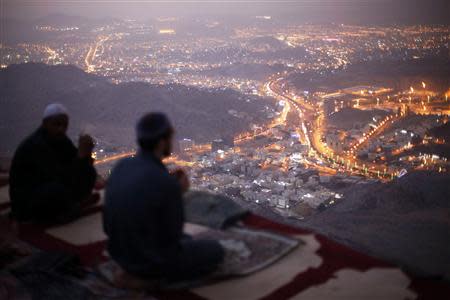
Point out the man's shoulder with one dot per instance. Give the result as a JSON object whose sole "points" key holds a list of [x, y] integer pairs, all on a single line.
{"points": [[144, 167], [139, 162], [130, 165], [31, 143], [127, 162]]}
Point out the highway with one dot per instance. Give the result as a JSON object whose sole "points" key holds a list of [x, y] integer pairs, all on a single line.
{"points": [[309, 125], [312, 135], [91, 54], [323, 158]]}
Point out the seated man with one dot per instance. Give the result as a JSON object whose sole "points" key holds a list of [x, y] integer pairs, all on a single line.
{"points": [[143, 214], [50, 179]]}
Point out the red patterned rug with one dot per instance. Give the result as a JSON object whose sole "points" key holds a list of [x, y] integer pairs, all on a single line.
{"points": [[319, 269]]}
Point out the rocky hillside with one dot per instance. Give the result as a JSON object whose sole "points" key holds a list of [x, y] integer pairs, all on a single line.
{"points": [[406, 221], [109, 111]]}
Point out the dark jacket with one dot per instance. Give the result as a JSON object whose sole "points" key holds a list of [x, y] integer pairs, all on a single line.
{"points": [[44, 168], [143, 215]]}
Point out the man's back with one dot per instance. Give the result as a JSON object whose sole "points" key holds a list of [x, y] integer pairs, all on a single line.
{"points": [[36, 162], [143, 215]]}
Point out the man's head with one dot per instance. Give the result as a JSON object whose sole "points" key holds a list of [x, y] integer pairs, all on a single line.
{"points": [[55, 120], [154, 134]]}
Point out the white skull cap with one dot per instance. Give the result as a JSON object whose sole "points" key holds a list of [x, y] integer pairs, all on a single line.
{"points": [[55, 109]]}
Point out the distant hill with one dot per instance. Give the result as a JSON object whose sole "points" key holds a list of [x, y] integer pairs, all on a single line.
{"points": [[247, 71], [406, 221], [347, 117], [109, 111], [396, 73], [267, 42], [441, 132], [16, 31], [61, 20]]}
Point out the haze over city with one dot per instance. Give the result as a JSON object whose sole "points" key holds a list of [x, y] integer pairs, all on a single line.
{"points": [[324, 116], [347, 11]]}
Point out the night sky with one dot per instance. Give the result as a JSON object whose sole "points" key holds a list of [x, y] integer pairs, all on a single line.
{"points": [[343, 11]]}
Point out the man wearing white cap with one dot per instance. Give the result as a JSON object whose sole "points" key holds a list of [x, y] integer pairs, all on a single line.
{"points": [[51, 179]]}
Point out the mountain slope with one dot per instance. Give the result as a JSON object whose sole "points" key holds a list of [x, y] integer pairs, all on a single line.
{"points": [[109, 111], [406, 221]]}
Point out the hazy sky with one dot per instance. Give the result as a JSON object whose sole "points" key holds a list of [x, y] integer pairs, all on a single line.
{"points": [[349, 11]]}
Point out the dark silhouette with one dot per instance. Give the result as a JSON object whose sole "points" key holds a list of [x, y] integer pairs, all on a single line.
{"points": [[144, 217], [50, 179]]}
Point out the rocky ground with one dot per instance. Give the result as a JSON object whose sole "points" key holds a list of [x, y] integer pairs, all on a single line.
{"points": [[406, 221]]}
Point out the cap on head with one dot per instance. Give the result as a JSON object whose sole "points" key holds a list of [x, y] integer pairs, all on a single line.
{"points": [[153, 126], [54, 109]]}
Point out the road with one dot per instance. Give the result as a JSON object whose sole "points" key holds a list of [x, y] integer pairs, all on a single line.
{"points": [[310, 127], [323, 158], [91, 54], [312, 119]]}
